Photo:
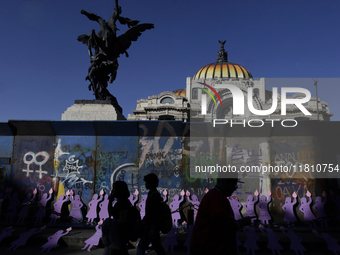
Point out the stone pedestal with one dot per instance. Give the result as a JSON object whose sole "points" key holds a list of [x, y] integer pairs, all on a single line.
{"points": [[92, 110]]}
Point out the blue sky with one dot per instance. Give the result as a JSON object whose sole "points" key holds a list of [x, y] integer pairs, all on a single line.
{"points": [[43, 66]]}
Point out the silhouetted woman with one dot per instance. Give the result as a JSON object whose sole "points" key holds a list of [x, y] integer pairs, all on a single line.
{"points": [[117, 229]]}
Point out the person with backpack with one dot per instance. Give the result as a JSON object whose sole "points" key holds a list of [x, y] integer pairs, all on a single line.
{"points": [[151, 220], [123, 219]]}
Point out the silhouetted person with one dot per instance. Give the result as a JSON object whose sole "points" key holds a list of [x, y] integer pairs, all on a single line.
{"points": [[151, 225], [117, 231], [215, 228]]}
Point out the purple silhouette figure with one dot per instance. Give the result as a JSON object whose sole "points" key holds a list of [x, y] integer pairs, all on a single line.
{"points": [[319, 207], [264, 215], [92, 213], [305, 208], [133, 201], [6, 233], [53, 240], [236, 206], [273, 240], [13, 204], [336, 200], [77, 204], [141, 206], [174, 206], [170, 239], [188, 229], [165, 193], [104, 212], [250, 206], [25, 206], [94, 240], [332, 243], [295, 242], [250, 243], [57, 207], [288, 207], [41, 213], [24, 237], [195, 203]]}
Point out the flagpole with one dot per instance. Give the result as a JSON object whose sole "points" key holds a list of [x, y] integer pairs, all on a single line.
{"points": [[317, 98]]}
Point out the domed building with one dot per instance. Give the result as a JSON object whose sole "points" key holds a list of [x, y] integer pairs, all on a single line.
{"points": [[208, 85]]}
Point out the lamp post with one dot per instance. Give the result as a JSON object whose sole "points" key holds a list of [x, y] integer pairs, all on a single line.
{"points": [[317, 98]]}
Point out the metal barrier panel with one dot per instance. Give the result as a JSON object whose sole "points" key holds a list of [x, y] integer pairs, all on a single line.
{"points": [[291, 152], [117, 159], [6, 146], [201, 157], [160, 152], [32, 165], [249, 155]]}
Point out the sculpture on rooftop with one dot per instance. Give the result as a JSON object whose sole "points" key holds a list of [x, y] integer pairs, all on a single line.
{"points": [[107, 49], [222, 55]]}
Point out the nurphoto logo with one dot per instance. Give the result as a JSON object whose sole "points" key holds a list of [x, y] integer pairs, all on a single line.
{"points": [[238, 103]]}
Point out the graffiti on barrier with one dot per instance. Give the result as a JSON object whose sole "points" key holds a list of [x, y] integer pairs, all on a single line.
{"points": [[161, 155], [72, 173], [39, 159], [127, 172], [70, 170], [111, 159]]}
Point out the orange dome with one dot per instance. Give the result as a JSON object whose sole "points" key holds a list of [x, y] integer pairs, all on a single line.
{"points": [[222, 70], [180, 92]]}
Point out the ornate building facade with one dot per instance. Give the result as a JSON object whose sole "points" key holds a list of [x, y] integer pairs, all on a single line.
{"points": [[165, 106], [187, 103]]}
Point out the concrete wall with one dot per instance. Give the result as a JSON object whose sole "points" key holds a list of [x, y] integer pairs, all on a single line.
{"points": [[88, 156]]}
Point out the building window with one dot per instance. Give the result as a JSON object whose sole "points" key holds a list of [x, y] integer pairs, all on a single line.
{"points": [[167, 100], [166, 117], [195, 93], [256, 92]]}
